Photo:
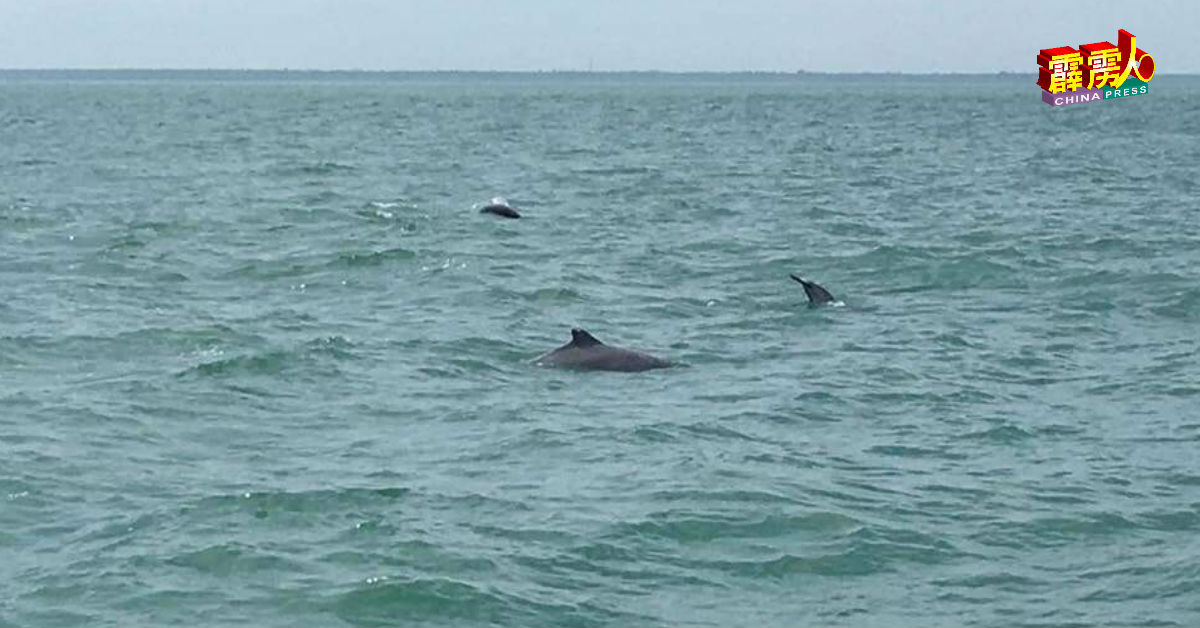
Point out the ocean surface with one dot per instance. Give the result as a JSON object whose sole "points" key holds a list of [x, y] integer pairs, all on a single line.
{"points": [[262, 362]]}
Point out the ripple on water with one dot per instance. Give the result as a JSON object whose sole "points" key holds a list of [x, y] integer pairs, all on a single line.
{"points": [[443, 601], [315, 357]]}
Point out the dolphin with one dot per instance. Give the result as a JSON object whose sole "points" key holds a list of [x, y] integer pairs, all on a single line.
{"points": [[587, 353], [500, 207], [817, 295]]}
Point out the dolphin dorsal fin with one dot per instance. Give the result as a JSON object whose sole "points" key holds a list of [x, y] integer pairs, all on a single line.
{"points": [[815, 293], [580, 338]]}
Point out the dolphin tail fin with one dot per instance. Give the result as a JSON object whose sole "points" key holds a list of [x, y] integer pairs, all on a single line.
{"points": [[816, 294], [580, 338]]}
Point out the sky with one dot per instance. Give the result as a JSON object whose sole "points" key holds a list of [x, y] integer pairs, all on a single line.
{"points": [[915, 36]]}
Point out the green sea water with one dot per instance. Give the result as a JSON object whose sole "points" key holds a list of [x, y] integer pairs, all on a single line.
{"points": [[263, 363]]}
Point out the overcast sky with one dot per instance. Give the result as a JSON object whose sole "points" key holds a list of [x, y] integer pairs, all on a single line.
{"points": [[674, 35]]}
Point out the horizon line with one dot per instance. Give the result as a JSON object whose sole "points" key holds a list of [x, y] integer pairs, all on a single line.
{"points": [[481, 71], [795, 72]]}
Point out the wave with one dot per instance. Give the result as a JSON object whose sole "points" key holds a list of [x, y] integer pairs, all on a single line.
{"points": [[228, 559], [1183, 305], [318, 168], [446, 601], [690, 528], [307, 264], [373, 258], [317, 356]]}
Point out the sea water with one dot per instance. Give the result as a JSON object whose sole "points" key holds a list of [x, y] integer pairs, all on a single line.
{"points": [[262, 362]]}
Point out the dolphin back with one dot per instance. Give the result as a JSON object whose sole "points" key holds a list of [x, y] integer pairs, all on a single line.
{"points": [[587, 353], [500, 210], [816, 294], [606, 358], [581, 338]]}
